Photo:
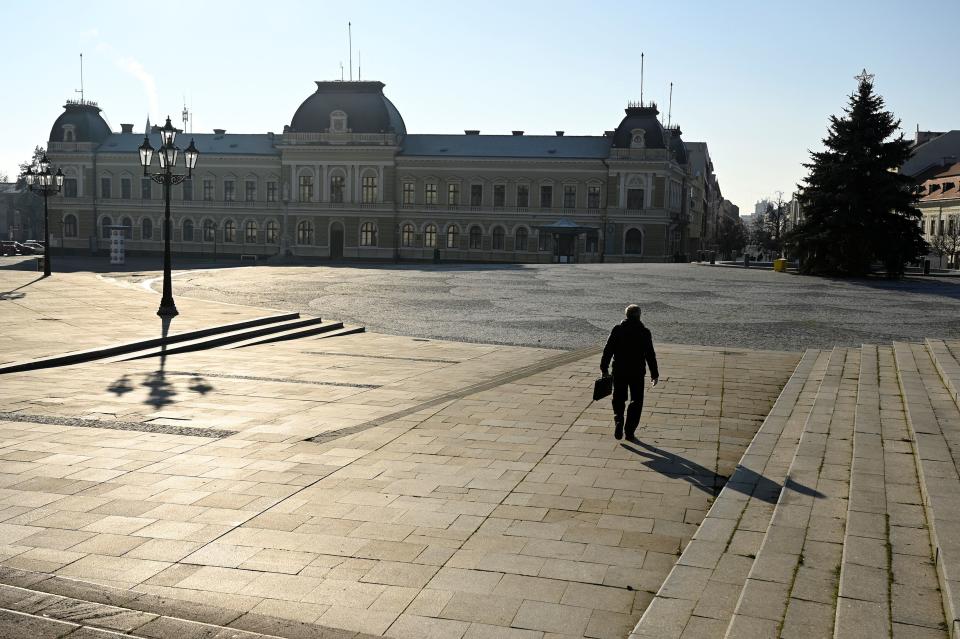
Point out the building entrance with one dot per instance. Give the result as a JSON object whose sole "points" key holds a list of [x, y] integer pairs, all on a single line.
{"points": [[336, 240]]}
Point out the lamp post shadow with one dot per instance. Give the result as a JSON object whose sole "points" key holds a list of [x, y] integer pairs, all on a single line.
{"points": [[162, 391], [704, 479]]}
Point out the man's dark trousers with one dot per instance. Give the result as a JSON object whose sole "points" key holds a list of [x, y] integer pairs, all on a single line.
{"points": [[620, 385]]}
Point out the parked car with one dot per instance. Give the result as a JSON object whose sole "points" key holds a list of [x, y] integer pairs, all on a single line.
{"points": [[9, 247], [35, 246]]}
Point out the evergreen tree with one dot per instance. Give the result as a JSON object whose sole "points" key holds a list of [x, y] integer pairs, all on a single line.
{"points": [[857, 208], [731, 237]]}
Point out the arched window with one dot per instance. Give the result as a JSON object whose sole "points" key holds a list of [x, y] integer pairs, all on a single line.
{"points": [[452, 233], [271, 232], [406, 235], [498, 238], [430, 236], [337, 183], [229, 231], [369, 189], [338, 122], [368, 234], [105, 222], [146, 229], [633, 242], [306, 187], [188, 230], [304, 233], [522, 239], [209, 231], [476, 237], [250, 232], [70, 226], [127, 223]]}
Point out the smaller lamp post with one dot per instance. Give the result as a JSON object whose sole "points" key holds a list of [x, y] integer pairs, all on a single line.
{"points": [[167, 156], [45, 182]]}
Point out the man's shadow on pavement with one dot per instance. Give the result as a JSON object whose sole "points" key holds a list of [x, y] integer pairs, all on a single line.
{"points": [[704, 479]]}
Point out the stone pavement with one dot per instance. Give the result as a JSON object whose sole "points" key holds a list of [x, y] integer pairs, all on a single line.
{"points": [[374, 484]]}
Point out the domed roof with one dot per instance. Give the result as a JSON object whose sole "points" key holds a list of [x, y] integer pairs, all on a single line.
{"points": [[677, 145], [85, 122], [366, 108], [640, 117]]}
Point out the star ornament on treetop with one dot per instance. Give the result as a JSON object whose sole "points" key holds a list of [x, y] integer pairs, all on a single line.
{"points": [[864, 77]]}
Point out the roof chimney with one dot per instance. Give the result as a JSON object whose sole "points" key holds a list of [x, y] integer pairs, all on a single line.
{"points": [[608, 134], [471, 131], [219, 131], [518, 132], [559, 134], [126, 128]]}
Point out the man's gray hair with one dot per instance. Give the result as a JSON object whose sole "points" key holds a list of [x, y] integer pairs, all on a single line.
{"points": [[632, 312]]}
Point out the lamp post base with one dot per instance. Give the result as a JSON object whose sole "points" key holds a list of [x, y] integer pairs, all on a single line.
{"points": [[168, 310]]}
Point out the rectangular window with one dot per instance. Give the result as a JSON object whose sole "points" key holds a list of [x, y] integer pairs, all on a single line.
{"points": [[430, 193], [546, 196], [70, 187], [941, 227], [592, 243], [523, 195], [593, 197], [499, 194], [228, 190], [933, 227], [146, 188], [250, 190], [543, 241], [368, 189], [125, 188], [476, 195], [208, 190], [569, 196], [634, 199], [187, 190], [271, 191], [306, 188], [106, 188], [453, 194], [337, 183], [409, 192]]}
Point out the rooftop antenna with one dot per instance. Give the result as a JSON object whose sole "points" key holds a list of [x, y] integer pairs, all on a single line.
{"points": [[670, 107], [350, 39], [185, 114], [641, 79], [341, 71], [359, 63], [80, 90]]}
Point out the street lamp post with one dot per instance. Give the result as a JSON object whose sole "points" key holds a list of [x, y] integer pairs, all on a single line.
{"points": [[45, 182], [167, 156]]}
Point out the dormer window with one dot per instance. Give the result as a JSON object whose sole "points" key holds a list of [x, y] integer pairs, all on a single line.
{"points": [[637, 140], [338, 122], [68, 133]]}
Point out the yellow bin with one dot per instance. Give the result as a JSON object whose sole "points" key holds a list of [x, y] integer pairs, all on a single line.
{"points": [[780, 265]]}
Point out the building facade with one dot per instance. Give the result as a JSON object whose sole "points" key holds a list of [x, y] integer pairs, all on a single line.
{"points": [[345, 180]]}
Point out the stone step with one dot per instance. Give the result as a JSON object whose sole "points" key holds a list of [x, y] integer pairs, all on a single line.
{"points": [[115, 350], [948, 365], [335, 329], [41, 605], [790, 589], [699, 594], [223, 339], [934, 422], [282, 336]]}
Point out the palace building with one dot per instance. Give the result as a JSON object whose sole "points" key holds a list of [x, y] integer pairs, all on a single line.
{"points": [[346, 180]]}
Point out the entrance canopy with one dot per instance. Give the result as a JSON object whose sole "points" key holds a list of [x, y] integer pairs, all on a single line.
{"points": [[566, 227]]}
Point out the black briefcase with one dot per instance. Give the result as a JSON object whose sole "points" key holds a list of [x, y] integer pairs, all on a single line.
{"points": [[602, 387]]}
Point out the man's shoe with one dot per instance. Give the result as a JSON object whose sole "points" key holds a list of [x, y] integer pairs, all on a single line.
{"points": [[618, 430], [632, 438]]}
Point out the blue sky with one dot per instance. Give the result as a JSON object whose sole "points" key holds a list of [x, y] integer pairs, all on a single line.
{"points": [[755, 80]]}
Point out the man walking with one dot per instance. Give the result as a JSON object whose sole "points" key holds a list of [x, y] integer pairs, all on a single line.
{"points": [[630, 345]]}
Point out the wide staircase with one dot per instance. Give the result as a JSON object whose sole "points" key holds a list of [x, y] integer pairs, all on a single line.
{"points": [[843, 517]]}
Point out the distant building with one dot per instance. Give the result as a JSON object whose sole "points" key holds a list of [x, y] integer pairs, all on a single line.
{"points": [[940, 202], [704, 199], [345, 179]]}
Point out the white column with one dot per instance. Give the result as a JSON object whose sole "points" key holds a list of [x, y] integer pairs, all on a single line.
{"points": [[294, 194], [322, 188], [380, 184]]}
